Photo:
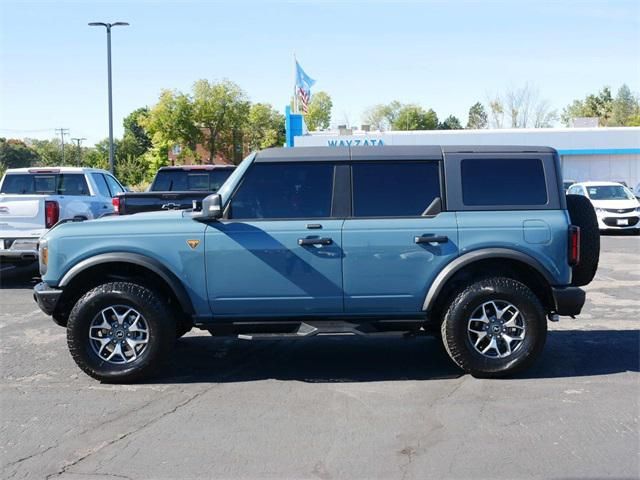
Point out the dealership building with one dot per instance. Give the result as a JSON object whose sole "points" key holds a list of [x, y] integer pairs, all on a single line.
{"points": [[611, 154]]}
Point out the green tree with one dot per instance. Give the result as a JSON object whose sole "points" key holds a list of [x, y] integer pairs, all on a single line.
{"points": [[414, 117], [625, 106], [381, 116], [477, 117], [16, 154], [136, 139], [319, 115], [450, 123], [264, 128], [50, 152], [221, 109], [171, 122], [600, 106]]}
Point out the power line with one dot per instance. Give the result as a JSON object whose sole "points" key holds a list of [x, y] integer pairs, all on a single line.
{"points": [[62, 132], [79, 141]]}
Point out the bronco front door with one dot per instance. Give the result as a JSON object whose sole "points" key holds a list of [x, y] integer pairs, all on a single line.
{"points": [[279, 249]]}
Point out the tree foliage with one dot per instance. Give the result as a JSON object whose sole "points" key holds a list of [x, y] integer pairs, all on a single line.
{"points": [[477, 117], [16, 154], [414, 117], [381, 116], [319, 115], [265, 127], [621, 111], [450, 123]]}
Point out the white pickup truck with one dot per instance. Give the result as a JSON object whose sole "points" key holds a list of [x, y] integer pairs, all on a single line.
{"points": [[32, 200]]}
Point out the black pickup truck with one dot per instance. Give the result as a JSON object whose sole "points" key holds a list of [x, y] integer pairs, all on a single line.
{"points": [[174, 188]]}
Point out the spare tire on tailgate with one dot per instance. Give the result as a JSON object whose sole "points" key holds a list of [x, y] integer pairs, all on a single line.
{"points": [[583, 215]]}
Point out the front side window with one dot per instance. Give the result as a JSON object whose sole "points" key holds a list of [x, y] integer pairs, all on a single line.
{"points": [[284, 190], [114, 186], [503, 181], [394, 188], [101, 183]]}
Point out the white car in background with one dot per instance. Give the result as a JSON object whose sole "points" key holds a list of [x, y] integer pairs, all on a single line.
{"points": [[616, 206], [32, 200]]}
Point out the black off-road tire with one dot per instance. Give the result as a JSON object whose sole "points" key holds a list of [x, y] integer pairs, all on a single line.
{"points": [[584, 216], [157, 314], [456, 338]]}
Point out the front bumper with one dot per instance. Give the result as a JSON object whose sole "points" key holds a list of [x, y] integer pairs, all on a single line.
{"points": [[611, 221], [46, 297], [568, 300]]}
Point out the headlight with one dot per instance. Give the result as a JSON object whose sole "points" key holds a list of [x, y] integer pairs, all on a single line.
{"points": [[600, 211], [43, 256]]}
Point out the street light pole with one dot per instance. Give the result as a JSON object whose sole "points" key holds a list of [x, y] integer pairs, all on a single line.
{"points": [[108, 27], [78, 141]]}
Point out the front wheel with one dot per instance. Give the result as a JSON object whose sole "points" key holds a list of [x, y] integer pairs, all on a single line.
{"points": [[119, 332], [495, 327]]}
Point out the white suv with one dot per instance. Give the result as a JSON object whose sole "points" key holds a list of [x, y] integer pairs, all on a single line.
{"points": [[616, 206]]}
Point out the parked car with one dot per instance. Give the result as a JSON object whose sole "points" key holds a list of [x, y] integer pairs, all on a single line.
{"points": [[615, 205], [394, 240], [637, 191], [32, 200], [175, 188]]}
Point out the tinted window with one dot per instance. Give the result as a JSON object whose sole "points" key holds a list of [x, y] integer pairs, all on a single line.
{"points": [[60, 184], [284, 190], [194, 180], [394, 189], [101, 184], [114, 186], [503, 181]]}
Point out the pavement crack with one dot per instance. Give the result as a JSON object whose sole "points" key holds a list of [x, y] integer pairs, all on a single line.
{"points": [[23, 459], [123, 436]]}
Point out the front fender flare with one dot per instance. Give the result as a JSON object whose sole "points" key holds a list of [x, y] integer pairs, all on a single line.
{"points": [[471, 257], [149, 263]]}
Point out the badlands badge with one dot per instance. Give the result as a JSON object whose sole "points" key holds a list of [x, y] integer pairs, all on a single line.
{"points": [[193, 243]]}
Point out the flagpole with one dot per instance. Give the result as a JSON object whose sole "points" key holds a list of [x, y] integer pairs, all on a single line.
{"points": [[295, 90]]}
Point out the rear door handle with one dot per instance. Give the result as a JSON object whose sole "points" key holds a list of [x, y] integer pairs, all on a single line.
{"points": [[431, 239], [314, 241]]}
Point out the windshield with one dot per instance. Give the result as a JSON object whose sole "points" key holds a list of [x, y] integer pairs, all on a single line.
{"points": [[609, 192], [194, 180]]}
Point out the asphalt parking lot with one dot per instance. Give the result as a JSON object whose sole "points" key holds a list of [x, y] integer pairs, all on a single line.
{"points": [[331, 408]]}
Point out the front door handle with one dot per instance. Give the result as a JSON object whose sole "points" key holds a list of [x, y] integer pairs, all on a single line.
{"points": [[431, 239], [314, 241]]}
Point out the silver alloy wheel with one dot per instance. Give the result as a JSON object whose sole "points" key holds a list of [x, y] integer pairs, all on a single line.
{"points": [[496, 329], [119, 334]]}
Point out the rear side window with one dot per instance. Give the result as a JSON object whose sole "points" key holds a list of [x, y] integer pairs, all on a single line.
{"points": [[46, 183], [114, 186], [394, 189], [503, 181], [284, 190]]}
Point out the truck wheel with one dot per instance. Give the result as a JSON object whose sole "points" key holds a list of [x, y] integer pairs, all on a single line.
{"points": [[494, 328], [582, 215], [119, 332]]}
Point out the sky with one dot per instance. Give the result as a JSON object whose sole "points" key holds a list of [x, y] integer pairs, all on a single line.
{"points": [[444, 55]]}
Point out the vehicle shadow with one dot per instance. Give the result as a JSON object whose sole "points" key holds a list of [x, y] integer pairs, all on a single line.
{"points": [[20, 277], [197, 359]]}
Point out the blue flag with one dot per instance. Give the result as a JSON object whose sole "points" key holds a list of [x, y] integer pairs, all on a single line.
{"points": [[303, 81]]}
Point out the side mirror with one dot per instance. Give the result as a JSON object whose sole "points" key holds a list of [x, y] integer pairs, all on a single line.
{"points": [[211, 207]]}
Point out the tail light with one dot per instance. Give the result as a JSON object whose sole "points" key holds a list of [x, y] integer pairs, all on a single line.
{"points": [[115, 201], [574, 245], [51, 213]]}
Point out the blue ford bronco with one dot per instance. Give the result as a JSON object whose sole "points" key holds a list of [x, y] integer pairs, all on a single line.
{"points": [[477, 245]]}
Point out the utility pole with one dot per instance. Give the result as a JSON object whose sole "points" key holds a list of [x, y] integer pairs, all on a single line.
{"points": [[108, 26], [78, 141], [62, 132]]}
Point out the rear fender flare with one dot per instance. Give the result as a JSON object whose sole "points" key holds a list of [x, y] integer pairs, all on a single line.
{"points": [[468, 258]]}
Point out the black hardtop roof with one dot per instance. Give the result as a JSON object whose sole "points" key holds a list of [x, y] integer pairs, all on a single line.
{"points": [[395, 152]]}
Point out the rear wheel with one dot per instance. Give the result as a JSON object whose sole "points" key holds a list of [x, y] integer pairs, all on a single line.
{"points": [[495, 327], [120, 332]]}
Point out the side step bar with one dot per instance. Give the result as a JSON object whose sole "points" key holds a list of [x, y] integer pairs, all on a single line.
{"points": [[325, 328]]}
